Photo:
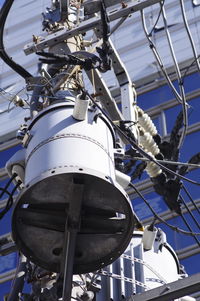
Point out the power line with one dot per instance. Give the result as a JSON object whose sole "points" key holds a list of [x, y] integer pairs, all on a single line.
{"points": [[165, 162], [189, 211], [158, 17], [189, 34], [190, 229], [180, 81], [160, 218], [159, 60], [191, 199]]}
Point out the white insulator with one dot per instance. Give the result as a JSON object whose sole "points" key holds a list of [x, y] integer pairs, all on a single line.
{"points": [[148, 238], [122, 179], [152, 168], [145, 121], [80, 108], [147, 141]]}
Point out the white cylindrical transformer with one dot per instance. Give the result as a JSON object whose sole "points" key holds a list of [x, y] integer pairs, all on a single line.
{"points": [[139, 270], [60, 142], [61, 155]]}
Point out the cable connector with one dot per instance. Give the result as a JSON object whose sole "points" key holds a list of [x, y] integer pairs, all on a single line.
{"points": [[149, 236]]}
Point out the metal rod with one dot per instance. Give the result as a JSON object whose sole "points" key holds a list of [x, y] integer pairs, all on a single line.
{"points": [[71, 229], [69, 262]]}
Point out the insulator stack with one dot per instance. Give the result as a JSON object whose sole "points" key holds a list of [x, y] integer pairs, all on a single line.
{"points": [[152, 168], [147, 142], [146, 122]]}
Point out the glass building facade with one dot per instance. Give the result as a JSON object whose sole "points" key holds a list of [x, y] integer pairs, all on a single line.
{"points": [[154, 97]]}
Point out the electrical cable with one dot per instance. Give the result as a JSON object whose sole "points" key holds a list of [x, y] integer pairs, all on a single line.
{"points": [[189, 34], [174, 228], [9, 201], [191, 199], [8, 60], [189, 211], [158, 17], [4, 190], [190, 229], [116, 26], [165, 161], [187, 69], [130, 138], [159, 60], [180, 81]]}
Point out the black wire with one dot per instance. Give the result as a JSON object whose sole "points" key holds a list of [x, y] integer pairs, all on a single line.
{"points": [[4, 190], [9, 201], [189, 211], [160, 218], [8, 60], [188, 68], [191, 199], [159, 60], [134, 144], [159, 14], [190, 229]]}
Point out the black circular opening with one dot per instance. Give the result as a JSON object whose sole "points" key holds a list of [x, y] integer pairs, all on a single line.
{"points": [[79, 254], [57, 251]]}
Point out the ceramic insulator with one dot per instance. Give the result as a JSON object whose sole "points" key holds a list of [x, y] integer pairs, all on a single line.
{"points": [[152, 168], [147, 142], [146, 122]]}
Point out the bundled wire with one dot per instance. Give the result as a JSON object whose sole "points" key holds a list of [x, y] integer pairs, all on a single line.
{"points": [[88, 60]]}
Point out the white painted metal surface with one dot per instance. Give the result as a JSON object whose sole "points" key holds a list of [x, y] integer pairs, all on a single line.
{"points": [[58, 140], [138, 270]]}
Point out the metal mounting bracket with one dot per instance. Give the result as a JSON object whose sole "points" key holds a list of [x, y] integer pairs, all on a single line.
{"points": [[87, 25]]}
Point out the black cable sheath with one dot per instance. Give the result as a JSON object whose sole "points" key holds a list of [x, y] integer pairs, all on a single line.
{"points": [[4, 190], [191, 199], [160, 218], [3, 54], [190, 212], [190, 229]]}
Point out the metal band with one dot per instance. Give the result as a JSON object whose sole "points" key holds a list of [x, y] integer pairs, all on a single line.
{"points": [[71, 135]]}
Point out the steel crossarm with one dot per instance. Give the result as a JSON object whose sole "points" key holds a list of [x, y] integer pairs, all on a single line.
{"points": [[85, 26]]}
